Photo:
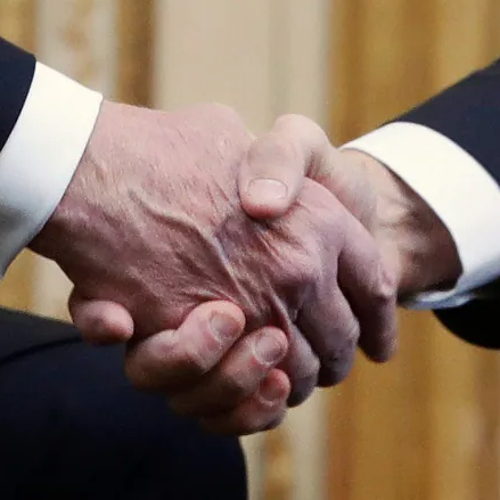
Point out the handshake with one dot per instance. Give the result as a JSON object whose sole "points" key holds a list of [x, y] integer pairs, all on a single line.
{"points": [[240, 272]]}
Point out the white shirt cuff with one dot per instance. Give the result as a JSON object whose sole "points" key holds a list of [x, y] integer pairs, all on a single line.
{"points": [[41, 155], [459, 190]]}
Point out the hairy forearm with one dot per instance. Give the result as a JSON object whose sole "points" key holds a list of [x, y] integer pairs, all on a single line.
{"points": [[411, 235]]}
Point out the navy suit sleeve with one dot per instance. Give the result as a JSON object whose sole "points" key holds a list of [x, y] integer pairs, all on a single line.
{"points": [[476, 322], [17, 68], [469, 114]]}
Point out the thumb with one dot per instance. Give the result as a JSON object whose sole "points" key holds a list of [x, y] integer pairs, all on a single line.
{"points": [[272, 174]]}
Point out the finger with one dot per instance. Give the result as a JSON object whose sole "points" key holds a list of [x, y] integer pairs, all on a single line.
{"points": [[264, 410], [371, 289], [101, 322], [302, 367], [173, 359], [237, 376], [271, 176], [332, 331]]}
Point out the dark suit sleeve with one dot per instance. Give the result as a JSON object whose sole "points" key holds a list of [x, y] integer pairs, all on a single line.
{"points": [[476, 322], [469, 114], [17, 68], [72, 426]]}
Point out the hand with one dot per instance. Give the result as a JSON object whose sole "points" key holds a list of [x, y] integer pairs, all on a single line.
{"points": [[405, 227], [206, 368], [154, 224], [364, 283]]}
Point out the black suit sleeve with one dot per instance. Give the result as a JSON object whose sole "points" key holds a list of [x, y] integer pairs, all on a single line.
{"points": [[17, 68], [469, 114]]}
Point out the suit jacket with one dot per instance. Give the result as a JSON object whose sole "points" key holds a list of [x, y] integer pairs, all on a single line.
{"points": [[468, 113], [16, 75]]}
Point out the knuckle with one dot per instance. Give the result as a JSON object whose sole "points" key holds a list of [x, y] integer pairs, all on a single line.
{"points": [[386, 290], [305, 125], [294, 120], [382, 285], [382, 291], [274, 148], [337, 363], [193, 362], [284, 149], [192, 355], [226, 113], [290, 120], [226, 127]]}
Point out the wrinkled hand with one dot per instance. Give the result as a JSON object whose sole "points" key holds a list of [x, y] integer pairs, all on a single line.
{"points": [[331, 323], [296, 150], [405, 228], [280, 164], [152, 221]]}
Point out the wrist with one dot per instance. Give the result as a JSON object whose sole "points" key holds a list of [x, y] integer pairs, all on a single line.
{"points": [[410, 234]]}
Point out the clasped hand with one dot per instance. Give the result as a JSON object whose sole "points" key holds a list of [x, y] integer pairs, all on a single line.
{"points": [[236, 294]]}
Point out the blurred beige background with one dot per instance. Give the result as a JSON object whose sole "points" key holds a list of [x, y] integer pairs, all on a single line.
{"points": [[425, 426]]}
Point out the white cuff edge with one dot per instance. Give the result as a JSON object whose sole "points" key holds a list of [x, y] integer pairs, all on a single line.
{"points": [[41, 155], [445, 175]]}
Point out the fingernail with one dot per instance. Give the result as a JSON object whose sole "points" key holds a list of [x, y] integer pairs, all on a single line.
{"points": [[224, 326], [270, 391], [268, 349], [267, 190]]}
